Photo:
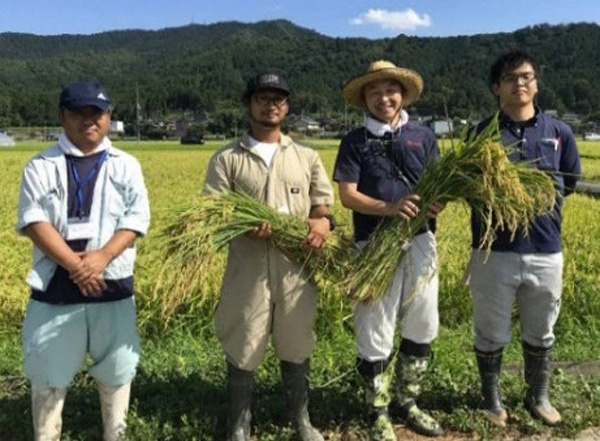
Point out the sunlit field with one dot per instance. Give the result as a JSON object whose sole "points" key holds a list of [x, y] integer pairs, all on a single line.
{"points": [[179, 388]]}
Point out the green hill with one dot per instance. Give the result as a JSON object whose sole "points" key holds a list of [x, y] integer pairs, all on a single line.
{"points": [[203, 67]]}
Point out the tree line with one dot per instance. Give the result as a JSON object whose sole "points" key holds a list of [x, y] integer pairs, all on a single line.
{"points": [[201, 69]]}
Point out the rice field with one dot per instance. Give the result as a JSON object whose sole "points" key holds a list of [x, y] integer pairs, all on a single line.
{"points": [[174, 177], [182, 371]]}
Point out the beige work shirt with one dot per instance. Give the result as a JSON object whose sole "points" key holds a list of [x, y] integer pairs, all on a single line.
{"points": [[263, 291]]}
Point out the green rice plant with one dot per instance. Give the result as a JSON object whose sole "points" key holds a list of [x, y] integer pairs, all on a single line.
{"points": [[194, 238], [505, 195]]}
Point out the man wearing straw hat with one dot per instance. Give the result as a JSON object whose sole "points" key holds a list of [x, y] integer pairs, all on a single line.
{"points": [[82, 203], [264, 293], [377, 167], [526, 268]]}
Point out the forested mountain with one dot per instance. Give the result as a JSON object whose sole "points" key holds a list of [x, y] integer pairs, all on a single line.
{"points": [[202, 68]]}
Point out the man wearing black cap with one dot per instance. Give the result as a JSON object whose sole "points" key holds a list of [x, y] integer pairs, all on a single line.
{"points": [[82, 203], [263, 292]]}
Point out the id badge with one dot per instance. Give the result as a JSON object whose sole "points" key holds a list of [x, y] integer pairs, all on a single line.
{"points": [[80, 228]]}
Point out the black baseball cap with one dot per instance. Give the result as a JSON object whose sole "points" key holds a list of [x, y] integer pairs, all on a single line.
{"points": [[266, 80], [77, 95]]}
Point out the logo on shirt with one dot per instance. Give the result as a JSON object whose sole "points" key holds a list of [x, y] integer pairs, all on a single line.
{"points": [[413, 144]]}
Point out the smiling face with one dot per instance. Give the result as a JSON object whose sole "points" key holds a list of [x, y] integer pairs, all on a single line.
{"points": [[85, 127], [383, 99], [268, 107], [517, 87]]}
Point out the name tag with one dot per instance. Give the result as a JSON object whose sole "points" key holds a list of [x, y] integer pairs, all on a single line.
{"points": [[80, 229]]}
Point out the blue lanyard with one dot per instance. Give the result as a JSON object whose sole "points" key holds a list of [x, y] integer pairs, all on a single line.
{"points": [[88, 178]]}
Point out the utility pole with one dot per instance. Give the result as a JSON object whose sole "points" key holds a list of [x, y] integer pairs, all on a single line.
{"points": [[137, 112]]}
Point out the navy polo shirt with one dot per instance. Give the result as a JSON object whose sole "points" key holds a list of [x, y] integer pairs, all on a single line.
{"points": [[549, 145], [61, 289], [386, 168]]}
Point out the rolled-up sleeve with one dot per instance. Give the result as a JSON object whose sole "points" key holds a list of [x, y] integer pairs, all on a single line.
{"points": [[321, 191], [30, 210], [137, 211]]}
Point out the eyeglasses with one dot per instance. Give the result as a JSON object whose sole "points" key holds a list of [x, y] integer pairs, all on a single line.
{"points": [[523, 78], [265, 100]]}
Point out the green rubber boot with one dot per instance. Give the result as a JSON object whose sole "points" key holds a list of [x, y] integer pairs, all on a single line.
{"points": [[377, 380], [409, 375]]}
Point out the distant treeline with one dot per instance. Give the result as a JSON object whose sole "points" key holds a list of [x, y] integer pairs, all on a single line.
{"points": [[202, 68]]}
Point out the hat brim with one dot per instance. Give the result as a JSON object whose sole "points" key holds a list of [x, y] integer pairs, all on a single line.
{"points": [[79, 104], [410, 80]]}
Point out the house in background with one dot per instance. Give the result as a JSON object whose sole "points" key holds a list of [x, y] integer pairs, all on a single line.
{"points": [[306, 125], [117, 128], [6, 140]]}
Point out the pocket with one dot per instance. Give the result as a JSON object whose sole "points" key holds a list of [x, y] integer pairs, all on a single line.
{"points": [[51, 204], [547, 153], [297, 197], [117, 198]]}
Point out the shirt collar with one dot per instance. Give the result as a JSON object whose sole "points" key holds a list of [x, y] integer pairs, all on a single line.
{"points": [[68, 148], [379, 128], [505, 120]]}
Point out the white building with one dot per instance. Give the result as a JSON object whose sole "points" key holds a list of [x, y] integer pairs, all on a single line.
{"points": [[6, 140], [117, 128]]}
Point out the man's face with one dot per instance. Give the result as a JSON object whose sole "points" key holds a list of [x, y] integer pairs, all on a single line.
{"points": [[517, 87], [86, 127], [383, 99], [268, 107]]}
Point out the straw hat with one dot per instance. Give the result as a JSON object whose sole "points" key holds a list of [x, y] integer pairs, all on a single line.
{"points": [[384, 70]]}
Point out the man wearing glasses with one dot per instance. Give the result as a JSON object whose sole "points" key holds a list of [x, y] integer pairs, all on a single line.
{"points": [[526, 268], [263, 292]]}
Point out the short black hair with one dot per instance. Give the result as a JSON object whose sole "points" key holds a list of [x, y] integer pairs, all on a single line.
{"points": [[509, 61]]}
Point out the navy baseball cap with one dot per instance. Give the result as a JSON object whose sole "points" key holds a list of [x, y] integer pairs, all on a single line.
{"points": [[84, 93], [266, 80]]}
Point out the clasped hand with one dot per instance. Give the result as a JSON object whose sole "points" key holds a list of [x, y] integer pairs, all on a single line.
{"points": [[87, 272]]}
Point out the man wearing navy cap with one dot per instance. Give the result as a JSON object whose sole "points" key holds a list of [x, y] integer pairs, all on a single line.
{"points": [[82, 203], [264, 294]]}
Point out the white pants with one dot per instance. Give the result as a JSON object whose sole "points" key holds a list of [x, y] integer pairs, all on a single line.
{"points": [[533, 280], [412, 298]]}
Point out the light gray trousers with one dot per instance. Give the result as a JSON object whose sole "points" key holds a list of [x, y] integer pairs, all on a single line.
{"points": [[534, 281]]}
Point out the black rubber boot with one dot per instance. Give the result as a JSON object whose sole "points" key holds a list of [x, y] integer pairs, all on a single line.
{"points": [[295, 393], [378, 379], [239, 391], [537, 376], [490, 365]]}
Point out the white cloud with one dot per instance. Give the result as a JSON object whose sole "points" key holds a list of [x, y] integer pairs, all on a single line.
{"points": [[393, 20]]}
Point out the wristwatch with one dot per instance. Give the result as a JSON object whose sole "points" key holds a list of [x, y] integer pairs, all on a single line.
{"points": [[332, 222]]}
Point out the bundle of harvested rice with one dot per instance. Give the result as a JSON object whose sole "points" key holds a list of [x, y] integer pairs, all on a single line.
{"points": [[505, 195], [193, 239]]}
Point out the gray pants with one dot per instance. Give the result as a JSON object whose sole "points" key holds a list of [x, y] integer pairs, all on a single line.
{"points": [[533, 280]]}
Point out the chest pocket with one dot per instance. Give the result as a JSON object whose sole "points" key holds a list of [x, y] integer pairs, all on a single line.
{"points": [[297, 197], [51, 203], [547, 151], [117, 198]]}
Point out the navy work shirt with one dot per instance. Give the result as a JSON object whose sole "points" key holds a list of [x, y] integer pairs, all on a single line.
{"points": [[386, 168], [550, 146], [61, 289]]}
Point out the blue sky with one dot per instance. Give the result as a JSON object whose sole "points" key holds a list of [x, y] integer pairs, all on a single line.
{"points": [[336, 18]]}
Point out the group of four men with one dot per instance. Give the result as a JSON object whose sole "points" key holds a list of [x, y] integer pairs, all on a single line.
{"points": [[83, 202]]}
